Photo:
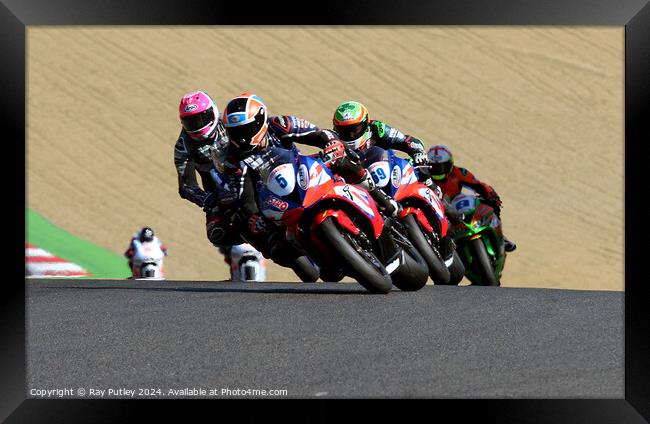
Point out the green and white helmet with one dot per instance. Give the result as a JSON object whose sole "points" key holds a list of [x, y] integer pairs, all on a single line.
{"points": [[351, 123]]}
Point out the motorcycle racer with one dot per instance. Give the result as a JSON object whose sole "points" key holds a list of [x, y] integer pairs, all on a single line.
{"points": [[451, 178], [201, 131], [348, 164], [201, 134], [251, 133], [355, 132], [354, 127], [145, 234]]}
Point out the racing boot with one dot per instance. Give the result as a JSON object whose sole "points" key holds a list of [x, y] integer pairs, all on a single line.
{"points": [[453, 215], [386, 204], [508, 245]]}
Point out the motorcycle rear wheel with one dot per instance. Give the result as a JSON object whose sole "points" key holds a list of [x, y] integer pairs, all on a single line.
{"points": [[414, 272], [372, 276], [437, 269], [333, 276], [305, 270], [483, 263], [456, 270]]}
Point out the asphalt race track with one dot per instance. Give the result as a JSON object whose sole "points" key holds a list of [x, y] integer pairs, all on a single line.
{"points": [[322, 339]]}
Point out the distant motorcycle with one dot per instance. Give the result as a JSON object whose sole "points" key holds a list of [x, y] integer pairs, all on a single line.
{"points": [[479, 239], [147, 261], [337, 223]]}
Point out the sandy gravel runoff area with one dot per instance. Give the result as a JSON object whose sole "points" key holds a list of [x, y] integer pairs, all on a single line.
{"points": [[537, 112]]}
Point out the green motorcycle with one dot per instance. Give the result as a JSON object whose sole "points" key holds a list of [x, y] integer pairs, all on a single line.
{"points": [[479, 239]]}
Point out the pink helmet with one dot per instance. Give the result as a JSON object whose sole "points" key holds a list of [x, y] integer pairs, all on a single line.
{"points": [[198, 114]]}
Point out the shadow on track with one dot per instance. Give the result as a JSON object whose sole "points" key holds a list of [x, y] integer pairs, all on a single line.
{"points": [[297, 290]]}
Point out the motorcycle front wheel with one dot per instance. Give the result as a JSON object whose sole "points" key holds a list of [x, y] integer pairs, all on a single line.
{"points": [[482, 263], [362, 265]]}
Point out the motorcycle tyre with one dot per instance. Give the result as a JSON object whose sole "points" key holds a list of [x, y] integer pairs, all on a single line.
{"points": [[437, 269], [413, 274], [375, 280], [305, 270], [483, 264], [456, 270]]}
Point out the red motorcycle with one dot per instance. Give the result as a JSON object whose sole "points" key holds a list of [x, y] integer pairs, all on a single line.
{"points": [[422, 216], [338, 224]]}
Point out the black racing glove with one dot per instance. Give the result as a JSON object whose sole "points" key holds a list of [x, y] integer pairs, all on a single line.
{"points": [[210, 201], [495, 202], [224, 196], [420, 162], [257, 225], [192, 193]]}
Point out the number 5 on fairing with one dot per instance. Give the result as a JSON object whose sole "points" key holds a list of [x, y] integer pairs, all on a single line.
{"points": [[280, 179]]}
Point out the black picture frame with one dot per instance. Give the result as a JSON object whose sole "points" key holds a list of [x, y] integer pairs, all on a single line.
{"points": [[634, 15]]}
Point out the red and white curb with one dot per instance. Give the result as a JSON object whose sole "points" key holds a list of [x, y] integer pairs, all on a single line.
{"points": [[41, 263]]}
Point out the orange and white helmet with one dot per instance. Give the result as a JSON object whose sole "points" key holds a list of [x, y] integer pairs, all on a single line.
{"points": [[441, 161], [245, 121]]}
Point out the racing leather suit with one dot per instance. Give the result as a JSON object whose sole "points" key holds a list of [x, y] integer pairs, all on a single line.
{"points": [[191, 155], [351, 167], [239, 219], [387, 137], [453, 184]]}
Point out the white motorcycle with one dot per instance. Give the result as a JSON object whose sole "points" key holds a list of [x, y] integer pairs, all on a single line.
{"points": [[147, 262], [247, 264]]}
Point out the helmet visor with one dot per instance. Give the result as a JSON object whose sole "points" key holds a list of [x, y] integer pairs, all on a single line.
{"points": [[197, 121], [440, 169], [242, 135], [351, 132]]}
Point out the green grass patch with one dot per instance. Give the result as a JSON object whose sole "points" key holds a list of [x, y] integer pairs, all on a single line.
{"points": [[100, 262]]}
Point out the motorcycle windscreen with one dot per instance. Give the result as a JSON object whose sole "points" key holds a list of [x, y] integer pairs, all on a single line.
{"points": [[314, 180]]}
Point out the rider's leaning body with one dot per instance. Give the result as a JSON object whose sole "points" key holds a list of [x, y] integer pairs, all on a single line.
{"points": [[451, 179]]}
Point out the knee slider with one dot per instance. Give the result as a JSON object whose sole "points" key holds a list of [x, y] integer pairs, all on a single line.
{"points": [[216, 231]]}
